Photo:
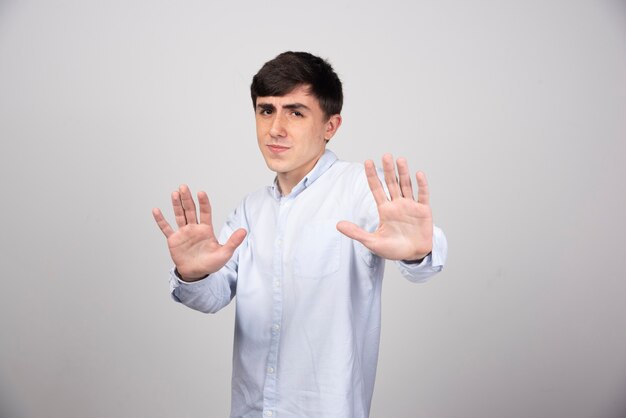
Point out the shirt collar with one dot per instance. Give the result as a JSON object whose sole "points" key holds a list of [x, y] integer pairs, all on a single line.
{"points": [[323, 164]]}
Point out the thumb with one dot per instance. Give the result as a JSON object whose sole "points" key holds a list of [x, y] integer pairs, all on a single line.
{"points": [[235, 239], [355, 232]]}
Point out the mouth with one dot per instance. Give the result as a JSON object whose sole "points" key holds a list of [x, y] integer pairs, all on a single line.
{"points": [[277, 149]]}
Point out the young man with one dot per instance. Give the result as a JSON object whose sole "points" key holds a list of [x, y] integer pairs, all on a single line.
{"points": [[304, 256]]}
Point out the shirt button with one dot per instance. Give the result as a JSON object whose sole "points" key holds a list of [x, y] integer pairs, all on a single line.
{"points": [[269, 413], [270, 370], [276, 283], [275, 327]]}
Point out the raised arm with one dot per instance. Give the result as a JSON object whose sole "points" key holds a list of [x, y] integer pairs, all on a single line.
{"points": [[405, 229], [194, 247]]}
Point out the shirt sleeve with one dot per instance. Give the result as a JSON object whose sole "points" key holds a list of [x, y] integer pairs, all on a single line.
{"points": [[430, 265], [215, 291]]}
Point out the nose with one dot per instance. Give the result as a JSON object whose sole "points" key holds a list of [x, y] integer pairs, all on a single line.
{"points": [[277, 129]]}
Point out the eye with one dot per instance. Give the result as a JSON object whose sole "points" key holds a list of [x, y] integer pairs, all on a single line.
{"points": [[296, 113], [265, 112]]}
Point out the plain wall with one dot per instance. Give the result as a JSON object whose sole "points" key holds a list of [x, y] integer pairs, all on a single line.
{"points": [[514, 109]]}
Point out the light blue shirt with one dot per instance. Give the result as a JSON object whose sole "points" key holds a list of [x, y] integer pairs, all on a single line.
{"points": [[307, 324]]}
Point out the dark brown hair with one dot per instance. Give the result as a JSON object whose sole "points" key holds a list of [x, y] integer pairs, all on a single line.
{"points": [[289, 70]]}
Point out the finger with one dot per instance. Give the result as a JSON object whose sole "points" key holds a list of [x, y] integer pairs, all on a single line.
{"points": [[188, 204], [374, 182], [405, 178], [423, 195], [162, 223], [356, 233], [390, 177], [235, 240], [205, 209], [179, 213]]}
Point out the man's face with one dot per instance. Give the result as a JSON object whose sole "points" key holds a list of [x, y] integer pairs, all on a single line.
{"points": [[292, 131]]}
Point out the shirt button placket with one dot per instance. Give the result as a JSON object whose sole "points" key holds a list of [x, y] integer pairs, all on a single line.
{"points": [[269, 392]]}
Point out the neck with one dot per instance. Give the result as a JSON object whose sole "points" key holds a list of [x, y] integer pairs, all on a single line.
{"points": [[287, 181]]}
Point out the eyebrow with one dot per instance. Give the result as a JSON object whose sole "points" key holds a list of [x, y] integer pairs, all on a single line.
{"points": [[295, 106], [265, 106], [290, 106]]}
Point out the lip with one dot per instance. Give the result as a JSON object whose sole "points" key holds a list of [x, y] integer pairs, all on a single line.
{"points": [[277, 149]]}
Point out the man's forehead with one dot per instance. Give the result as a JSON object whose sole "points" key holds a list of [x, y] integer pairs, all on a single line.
{"points": [[298, 94]]}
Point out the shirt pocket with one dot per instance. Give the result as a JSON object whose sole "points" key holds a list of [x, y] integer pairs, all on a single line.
{"points": [[317, 253]]}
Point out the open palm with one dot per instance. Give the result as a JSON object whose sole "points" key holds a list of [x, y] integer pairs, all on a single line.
{"points": [[405, 229], [194, 247]]}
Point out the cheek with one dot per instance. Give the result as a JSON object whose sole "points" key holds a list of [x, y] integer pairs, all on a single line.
{"points": [[262, 125], [260, 134], [312, 135]]}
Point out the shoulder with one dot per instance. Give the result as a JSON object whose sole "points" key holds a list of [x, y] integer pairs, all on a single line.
{"points": [[258, 197], [251, 207], [347, 180], [349, 172]]}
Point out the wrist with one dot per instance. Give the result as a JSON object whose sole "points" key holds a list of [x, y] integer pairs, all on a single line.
{"points": [[417, 261], [188, 279]]}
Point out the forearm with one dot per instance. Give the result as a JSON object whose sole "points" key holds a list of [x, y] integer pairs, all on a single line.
{"points": [[207, 295]]}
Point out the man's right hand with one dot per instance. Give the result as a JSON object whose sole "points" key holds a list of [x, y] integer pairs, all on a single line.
{"points": [[193, 247]]}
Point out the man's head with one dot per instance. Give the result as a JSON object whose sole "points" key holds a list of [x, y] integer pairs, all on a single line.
{"points": [[290, 70], [297, 100]]}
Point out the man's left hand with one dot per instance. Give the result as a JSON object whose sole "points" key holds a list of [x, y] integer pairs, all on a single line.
{"points": [[405, 229]]}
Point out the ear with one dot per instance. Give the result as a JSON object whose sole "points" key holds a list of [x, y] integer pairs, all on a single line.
{"points": [[333, 123]]}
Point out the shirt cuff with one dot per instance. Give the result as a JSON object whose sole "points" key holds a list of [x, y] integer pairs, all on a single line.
{"points": [[176, 282]]}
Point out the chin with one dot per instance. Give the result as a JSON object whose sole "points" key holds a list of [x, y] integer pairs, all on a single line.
{"points": [[273, 164]]}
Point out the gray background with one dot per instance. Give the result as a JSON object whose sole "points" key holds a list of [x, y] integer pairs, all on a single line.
{"points": [[514, 109]]}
